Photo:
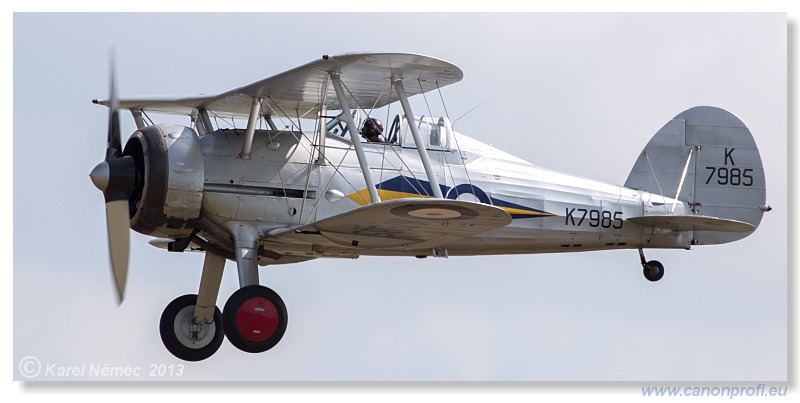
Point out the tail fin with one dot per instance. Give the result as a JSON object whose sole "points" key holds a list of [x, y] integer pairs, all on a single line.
{"points": [[708, 157]]}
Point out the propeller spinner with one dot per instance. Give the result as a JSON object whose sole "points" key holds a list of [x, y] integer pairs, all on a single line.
{"points": [[115, 177]]}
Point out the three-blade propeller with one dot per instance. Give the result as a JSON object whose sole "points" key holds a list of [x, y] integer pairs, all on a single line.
{"points": [[115, 177]]}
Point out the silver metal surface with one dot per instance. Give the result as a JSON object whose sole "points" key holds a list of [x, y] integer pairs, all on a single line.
{"points": [[186, 176], [255, 110], [280, 188], [323, 134], [726, 179], [210, 281], [192, 334], [364, 74], [694, 223], [137, 119], [100, 176], [246, 241], [206, 121]]}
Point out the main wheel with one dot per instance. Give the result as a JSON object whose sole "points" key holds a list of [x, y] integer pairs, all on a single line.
{"points": [[255, 319], [653, 270], [185, 339]]}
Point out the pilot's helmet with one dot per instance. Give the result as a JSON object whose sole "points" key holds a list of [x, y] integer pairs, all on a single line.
{"points": [[372, 128]]}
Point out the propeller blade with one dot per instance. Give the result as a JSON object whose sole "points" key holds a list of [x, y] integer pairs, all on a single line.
{"points": [[115, 177], [114, 144], [118, 222]]}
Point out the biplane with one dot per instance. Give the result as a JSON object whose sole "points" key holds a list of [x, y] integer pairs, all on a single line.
{"points": [[332, 183]]}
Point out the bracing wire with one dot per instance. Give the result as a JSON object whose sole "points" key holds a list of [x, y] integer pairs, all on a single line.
{"points": [[453, 123], [148, 118], [655, 177], [458, 147]]}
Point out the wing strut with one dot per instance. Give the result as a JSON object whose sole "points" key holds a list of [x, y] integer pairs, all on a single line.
{"points": [[137, 118], [683, 177], [247, 145], [423, 153], [270, 122], [351, 127], [323, 133], [204, 120]]}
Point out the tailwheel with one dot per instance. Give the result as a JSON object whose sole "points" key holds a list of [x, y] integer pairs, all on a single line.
{"points": [[183, 337], [653, 270], [255, 319]]}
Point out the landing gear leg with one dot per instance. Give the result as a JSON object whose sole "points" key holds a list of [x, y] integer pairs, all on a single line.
{"points": [[653, 270], [245, 240], [254, 317], [191, 326]]}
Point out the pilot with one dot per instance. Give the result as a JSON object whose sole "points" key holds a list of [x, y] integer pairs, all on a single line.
{"points": [[372, 129]]}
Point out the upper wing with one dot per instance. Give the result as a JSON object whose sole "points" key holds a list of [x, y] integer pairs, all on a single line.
{"points": [[302, 90], [398, 224]]}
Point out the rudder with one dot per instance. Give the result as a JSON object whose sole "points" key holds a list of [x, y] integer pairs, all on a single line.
{"points": [[724, 173]]}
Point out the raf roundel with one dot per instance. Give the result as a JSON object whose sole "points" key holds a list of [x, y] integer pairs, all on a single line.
{"points": [[434, 212]]}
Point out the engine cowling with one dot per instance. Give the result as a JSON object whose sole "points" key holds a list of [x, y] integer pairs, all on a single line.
{"points": [[168, 190]]}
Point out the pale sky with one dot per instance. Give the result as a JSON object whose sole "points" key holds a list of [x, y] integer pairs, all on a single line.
{"points": [[578, 93]]}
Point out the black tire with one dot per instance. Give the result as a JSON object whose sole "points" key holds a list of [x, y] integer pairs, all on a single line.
{"points": [[175, 331], [653, 270], [254, 319]]}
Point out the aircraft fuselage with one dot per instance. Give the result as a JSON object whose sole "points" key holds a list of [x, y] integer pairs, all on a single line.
{"points": [[281, 185]]}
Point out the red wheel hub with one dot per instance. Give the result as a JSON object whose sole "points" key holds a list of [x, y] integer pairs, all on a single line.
{"points": [[257, 319]]}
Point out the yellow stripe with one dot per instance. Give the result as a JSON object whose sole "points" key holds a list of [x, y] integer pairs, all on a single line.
{"points": [[511, 210], [362, 196]]}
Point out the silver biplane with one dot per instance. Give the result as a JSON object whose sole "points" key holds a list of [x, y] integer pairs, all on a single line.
{"points": [[348, 188]]}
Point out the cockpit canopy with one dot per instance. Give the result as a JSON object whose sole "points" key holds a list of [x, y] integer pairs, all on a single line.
{"points": [[436, 132]]}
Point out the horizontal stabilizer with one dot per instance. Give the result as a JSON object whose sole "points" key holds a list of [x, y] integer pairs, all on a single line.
{"points": [[693, 223], [400, 223]]}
